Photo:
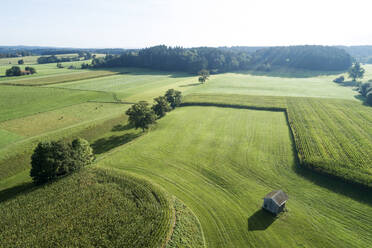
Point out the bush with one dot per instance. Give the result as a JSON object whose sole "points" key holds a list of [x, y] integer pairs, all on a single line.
{"points": [[365, 88], [59, 65], [340, 79], [21, 62], [141, 116], [51, 160]]}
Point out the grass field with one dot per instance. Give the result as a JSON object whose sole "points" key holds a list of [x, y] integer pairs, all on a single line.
{"points": [[331, 135], [247, 84], [219, 162], [134, 85], [227, 162], [17, 101], [125, 212]]}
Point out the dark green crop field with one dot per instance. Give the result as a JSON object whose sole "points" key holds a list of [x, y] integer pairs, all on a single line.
{"points": [[93, 208]]}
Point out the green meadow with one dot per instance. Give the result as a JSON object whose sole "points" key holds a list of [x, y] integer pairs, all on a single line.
{"points": [[208, 164]]}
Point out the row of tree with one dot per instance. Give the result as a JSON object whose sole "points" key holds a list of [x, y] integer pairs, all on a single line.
{"points": [[217, 60], [55, 159], [15, 54], [141, 115], [16, 71], [55, 59]]}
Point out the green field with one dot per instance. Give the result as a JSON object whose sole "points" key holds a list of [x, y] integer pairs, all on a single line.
{"points": [[17, 101], [64, 214], [216, 162], [331, 135], [134, 85], [222, 168]]}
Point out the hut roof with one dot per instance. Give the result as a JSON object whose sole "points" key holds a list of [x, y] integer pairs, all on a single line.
{"points": [[278, 196]]}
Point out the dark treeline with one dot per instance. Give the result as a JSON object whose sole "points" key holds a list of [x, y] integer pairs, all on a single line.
{"points": [[17, 51], [225, 59], [55, 59], [15, 54]]}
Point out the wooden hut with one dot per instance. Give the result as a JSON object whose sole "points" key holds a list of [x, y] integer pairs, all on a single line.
{"points": [[274, 202]]}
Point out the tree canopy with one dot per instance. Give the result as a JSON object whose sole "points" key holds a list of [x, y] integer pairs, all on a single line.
{"points": [[161, 106], [141, 116], [14, 71], [51, 160], [203, 75], [356, 71], [224, 59], [174, 97]]}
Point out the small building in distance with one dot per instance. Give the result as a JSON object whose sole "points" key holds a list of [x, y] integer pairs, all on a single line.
{"points": [[274, 202]]}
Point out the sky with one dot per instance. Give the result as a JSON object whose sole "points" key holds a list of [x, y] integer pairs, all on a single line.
{"points": [[144, 23]]}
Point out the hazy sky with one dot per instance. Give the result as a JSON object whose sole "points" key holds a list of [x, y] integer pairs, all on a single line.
{"points": [[141, 23]]}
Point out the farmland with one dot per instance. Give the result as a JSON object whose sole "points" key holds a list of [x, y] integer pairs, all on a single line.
{"points": [[331, 135], [224, 166], [119, 202], [210, 164]]}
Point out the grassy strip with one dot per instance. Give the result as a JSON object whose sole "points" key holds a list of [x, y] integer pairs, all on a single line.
{"points": [[56, 79], [92, 208], [187, 231]]}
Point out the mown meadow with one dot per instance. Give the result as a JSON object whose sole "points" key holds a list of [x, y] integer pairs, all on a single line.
{"points": [[212, 164]]}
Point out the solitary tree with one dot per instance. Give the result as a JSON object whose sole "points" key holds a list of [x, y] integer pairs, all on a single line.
{"points": [[161, 106], [203, 75], [140, 115], [21, 62], [174, 97], [356, 71]]}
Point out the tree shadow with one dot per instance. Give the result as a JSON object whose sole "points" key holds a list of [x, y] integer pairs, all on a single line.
{"points": [[348, 84], [10, 193], [106, 144], [120, 127], [190, 85], [260, 220], [352, 190]]}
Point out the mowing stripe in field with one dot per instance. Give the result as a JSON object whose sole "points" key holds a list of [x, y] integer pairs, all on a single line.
{"points": [[221, 162]]}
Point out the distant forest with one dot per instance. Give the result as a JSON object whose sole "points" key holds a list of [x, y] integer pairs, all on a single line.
{"points": [[223, 59]]}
